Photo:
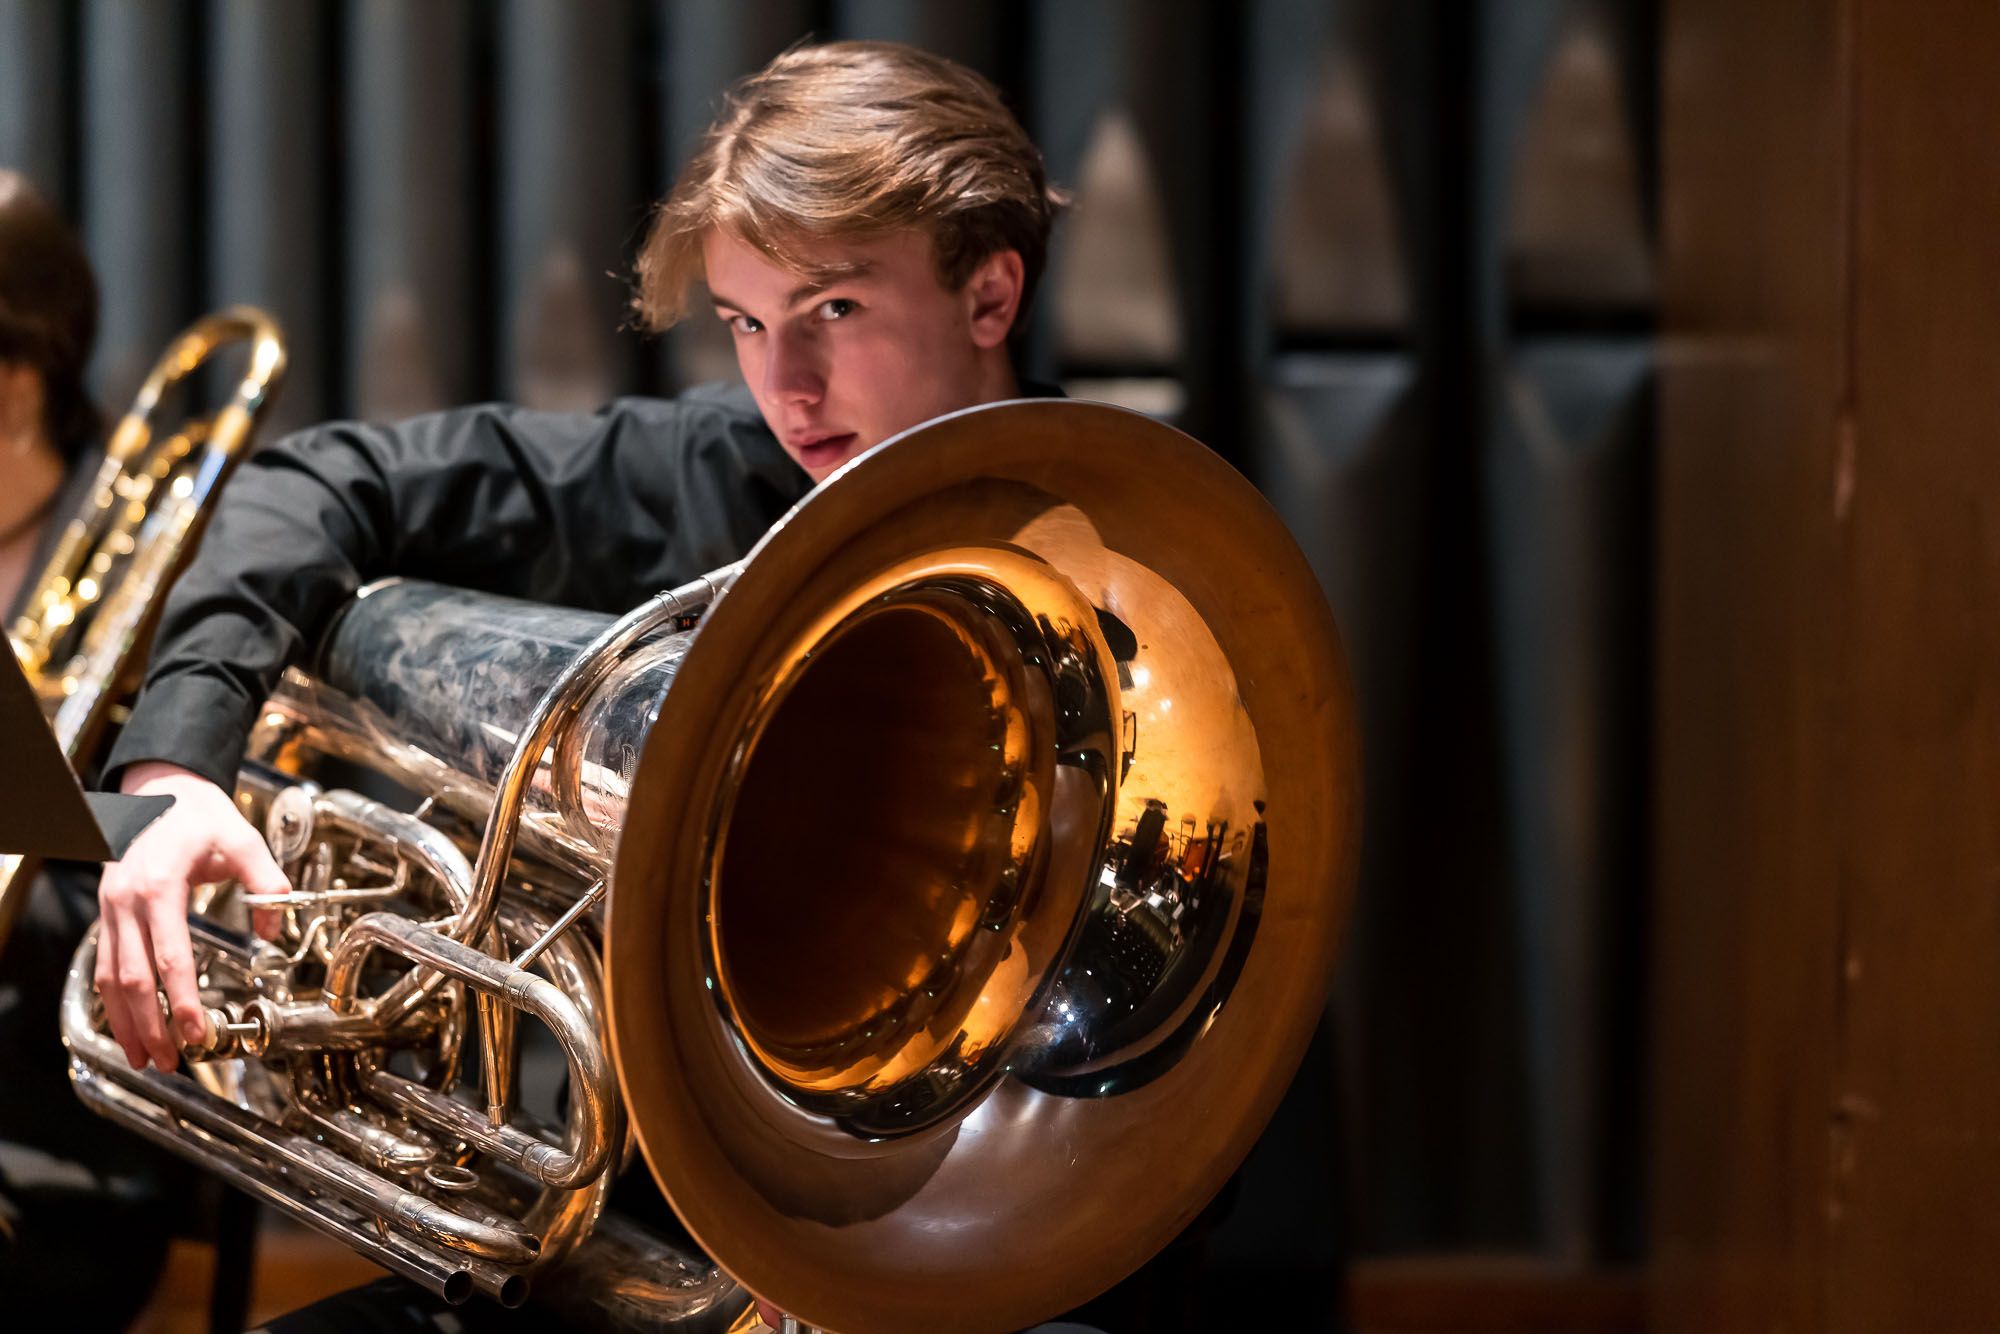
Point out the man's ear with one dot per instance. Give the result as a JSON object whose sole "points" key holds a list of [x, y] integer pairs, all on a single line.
{"points": [[993, 297]]}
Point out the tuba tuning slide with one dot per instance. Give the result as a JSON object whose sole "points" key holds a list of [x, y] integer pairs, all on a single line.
{"points": [[940, 900]]}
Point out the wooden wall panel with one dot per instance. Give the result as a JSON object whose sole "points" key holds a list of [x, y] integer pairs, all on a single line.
{"points": [[1827, 1145], [1916, 1168], [1749, 549]]}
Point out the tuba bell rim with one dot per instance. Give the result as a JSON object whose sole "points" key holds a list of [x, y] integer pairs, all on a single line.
{"points": [[1160, 1150]]}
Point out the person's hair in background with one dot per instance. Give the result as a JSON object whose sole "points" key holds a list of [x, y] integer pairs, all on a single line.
{"points": [[849, 141], [48, 311]]}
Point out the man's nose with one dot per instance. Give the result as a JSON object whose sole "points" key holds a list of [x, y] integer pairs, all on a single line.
{"points": [[794, 370]]}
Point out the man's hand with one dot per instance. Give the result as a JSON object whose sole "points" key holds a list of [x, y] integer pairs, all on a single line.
{"points": [[142, 939]]}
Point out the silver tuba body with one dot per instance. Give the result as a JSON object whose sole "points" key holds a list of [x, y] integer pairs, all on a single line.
{"points": [[940, 900]]}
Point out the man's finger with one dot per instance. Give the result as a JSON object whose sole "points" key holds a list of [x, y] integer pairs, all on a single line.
{"points": [[173, 954], [250, 861], [113, 1000], [135, 981]]}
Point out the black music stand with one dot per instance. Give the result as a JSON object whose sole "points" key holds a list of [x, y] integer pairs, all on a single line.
{"points": [[44, 811]]}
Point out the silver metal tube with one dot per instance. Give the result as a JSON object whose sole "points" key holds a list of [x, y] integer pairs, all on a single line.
{"points": [[312, 1026], [381, 1148], [445, 1274], [624, 1280], [591, 1077], [444, 1113], [431, 849], [314, 1164], [563, 1218], [582, 676], [563, 923]]}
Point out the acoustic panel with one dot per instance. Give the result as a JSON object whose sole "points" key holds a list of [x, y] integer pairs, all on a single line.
{"points": [[412, 224]]}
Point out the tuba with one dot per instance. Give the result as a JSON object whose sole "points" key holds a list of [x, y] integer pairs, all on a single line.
{"points": [[84, 621], [940, 900]]}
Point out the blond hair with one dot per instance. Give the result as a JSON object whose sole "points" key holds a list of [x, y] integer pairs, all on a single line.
{"points": [[847, 141]]}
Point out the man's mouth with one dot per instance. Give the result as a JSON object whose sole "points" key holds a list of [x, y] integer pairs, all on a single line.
{"points": [[820, 451]]}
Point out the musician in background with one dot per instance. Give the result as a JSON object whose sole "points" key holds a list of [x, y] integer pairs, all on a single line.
{"points": [[870, 222], [48, 322], [67, 1180]]}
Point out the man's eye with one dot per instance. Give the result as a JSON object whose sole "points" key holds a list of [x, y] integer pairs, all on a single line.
{"points": [[743, 324], [835, 308]]}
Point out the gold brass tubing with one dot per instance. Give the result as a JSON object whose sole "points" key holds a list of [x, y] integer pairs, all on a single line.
{"points": [[82, 689], [589, 1066]]}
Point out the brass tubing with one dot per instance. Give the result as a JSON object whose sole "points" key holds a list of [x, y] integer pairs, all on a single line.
{"points": [[382, 1149], [309, 1026], [591, 1078], [447, 1275], [432, 850], [315, 1164], [552, 714], [447, 1114]]}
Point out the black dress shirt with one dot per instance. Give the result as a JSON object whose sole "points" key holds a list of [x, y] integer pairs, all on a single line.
{"points": [[597, 511]]}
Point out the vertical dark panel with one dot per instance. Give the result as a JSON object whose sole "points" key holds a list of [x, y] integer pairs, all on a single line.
{"points": [[1116, 320], [1337, 449], [1184, 77], [1440, 1038], [1577, 234], [1561, 251], [1117, 304], [566, 201], [34, 94], [708, 48], [1073, 71], [1746, 921], [411, 209], [268, 203], [1326, 248], [1566, 466], [972, 32], [138, 184]]}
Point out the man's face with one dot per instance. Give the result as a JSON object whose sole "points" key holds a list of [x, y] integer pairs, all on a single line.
{"points": [[841, 366]]}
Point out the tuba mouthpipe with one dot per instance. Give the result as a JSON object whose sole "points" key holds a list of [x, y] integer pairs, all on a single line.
{"points": [[583, 675]]}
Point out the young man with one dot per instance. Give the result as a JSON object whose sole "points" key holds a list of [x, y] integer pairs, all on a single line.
{"points": [[870, 222]]}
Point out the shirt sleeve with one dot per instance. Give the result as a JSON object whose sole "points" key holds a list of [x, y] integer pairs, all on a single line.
{"points": [[586, 510]]}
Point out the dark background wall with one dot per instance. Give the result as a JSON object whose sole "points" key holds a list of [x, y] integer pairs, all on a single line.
{"points": [[1393, 259]]}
